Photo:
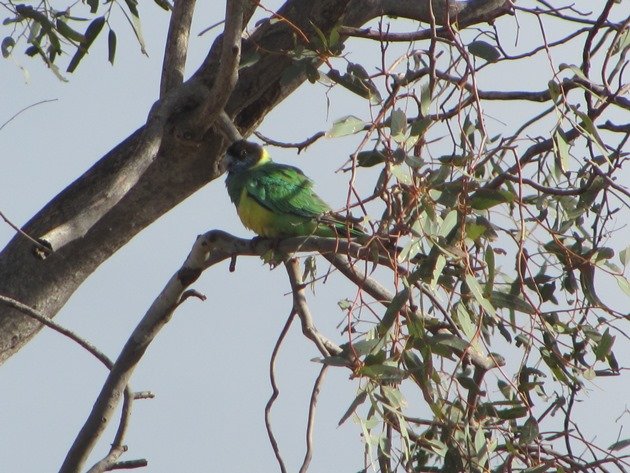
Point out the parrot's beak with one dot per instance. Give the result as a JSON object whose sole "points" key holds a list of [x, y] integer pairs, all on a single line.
{"points": [[224, 164]]}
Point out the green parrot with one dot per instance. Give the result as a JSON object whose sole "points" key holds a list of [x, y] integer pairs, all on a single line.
{"points": [[276, 200]]}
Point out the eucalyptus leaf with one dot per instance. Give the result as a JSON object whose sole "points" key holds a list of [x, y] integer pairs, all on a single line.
{"points": [[348, 125], [484, 50], [111, 46], [484, 199]]}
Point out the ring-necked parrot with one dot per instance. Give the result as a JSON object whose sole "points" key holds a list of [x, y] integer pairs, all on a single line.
{"points": [[276, 200]]}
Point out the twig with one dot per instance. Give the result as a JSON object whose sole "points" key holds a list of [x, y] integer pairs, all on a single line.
{"points": [[26, 310], [211, 27], [38, 244], [299, 146], [24, 110], [275, 391], [311, 419]]}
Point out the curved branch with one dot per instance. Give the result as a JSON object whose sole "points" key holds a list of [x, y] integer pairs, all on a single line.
{"points": [[311, 419], [275, 391], [325, 346]]}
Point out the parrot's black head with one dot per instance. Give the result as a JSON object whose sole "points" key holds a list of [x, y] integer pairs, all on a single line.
{"points": [[243, 155]]}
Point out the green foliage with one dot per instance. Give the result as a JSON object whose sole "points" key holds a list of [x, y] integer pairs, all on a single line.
{"points": [[497, 318], [55, 32]]}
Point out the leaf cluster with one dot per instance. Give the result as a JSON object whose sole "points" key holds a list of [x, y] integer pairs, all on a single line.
{"points": [[49, 32]]}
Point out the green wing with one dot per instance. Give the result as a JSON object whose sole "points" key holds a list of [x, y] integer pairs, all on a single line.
{"points": [[285, 190], [293, 208]]}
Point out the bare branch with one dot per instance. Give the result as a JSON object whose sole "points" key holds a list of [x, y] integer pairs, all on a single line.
{"points": [[369, 33], [311, 419], [41, 318], [299, 146], [325, 346], [275, 391], [156, 317], [14, 116], [209, 249]]}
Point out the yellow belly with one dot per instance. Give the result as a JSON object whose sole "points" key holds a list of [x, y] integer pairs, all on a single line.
{"points": [[257, 218]]}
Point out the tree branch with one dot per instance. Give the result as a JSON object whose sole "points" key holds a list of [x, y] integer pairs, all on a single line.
{"points": [[275, 391], [197, 123], [325, 346], [156, 317], [311, 419], [174, 64], [209, 249], [462, 12]]}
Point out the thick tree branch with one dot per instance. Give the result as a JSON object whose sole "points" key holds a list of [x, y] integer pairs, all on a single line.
{"points": [[462, 12], [215, 98], [174, 63]]}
